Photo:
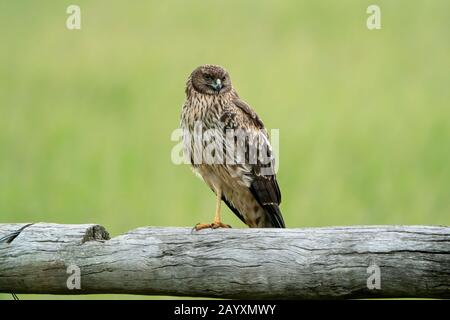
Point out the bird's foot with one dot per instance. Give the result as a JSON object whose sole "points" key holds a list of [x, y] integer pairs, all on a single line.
{"points": [[219, 224], [214, 225]]}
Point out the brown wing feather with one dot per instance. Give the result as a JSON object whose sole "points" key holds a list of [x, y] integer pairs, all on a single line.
{"points": [[266, 191], [264, 188], [249, 111]]}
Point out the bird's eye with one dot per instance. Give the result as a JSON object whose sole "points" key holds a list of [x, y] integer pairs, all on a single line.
{"points": [[224, 78], [207, 77]]}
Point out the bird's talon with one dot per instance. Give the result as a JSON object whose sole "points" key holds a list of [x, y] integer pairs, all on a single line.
{"points": [[214, 225], [200, 226], [217, 225]]}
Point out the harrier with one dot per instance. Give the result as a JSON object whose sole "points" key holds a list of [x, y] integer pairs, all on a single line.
{"points": [[249, 188]]}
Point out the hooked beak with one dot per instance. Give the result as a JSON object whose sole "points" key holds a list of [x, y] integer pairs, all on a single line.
{"points": [[217, 85]]}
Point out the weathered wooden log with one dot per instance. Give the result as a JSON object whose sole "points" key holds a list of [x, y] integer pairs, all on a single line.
{"points": [[312, 263]]}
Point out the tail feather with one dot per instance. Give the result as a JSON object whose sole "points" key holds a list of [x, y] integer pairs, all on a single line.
{"points": [[274, 217]]}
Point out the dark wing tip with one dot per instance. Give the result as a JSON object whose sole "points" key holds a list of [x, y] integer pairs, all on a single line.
{"points": [[266, 191], [275, 216]]}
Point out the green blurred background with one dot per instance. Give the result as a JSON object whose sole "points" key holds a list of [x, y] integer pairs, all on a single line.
{"points": [[86, 116]]}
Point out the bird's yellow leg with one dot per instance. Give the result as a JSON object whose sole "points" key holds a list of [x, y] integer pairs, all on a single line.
{"points": [[217, 223], [218, 205]]}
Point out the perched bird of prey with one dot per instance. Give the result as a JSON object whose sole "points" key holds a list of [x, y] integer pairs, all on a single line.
{"points": [[247, 187]]}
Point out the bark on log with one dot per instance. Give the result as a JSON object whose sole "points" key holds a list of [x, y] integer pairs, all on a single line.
{"points": [[312, 263]]}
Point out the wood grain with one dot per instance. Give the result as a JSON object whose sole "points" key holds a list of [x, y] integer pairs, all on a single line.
{"points": [[312, 263]]}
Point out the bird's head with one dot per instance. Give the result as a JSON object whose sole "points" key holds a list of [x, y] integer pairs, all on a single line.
{"points": [[211, 79]]}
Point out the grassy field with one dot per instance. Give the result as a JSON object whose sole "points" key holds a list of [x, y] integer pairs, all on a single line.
{"points": [[86, 116]]}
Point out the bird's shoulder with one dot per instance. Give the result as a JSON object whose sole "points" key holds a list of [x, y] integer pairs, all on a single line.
{"points": [[238, 113]]}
